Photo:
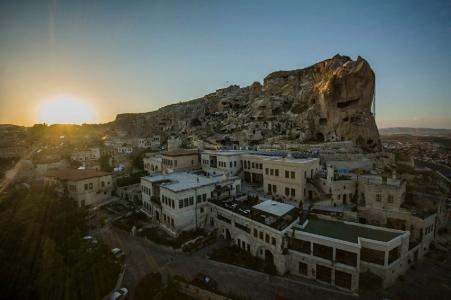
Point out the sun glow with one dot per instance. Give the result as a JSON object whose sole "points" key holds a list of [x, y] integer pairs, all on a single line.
{"points": [[65, 110]]}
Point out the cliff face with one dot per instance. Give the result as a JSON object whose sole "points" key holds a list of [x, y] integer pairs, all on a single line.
{"points": [[329, 101]]}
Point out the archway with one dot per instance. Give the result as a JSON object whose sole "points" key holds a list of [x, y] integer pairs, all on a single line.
{"points": [[269, 258], [228, 236], [320, 137]]}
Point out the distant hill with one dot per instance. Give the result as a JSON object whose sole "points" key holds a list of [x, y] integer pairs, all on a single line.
{"points": [[415, 131]]}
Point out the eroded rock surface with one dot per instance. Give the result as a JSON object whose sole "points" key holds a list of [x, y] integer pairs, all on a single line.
{"points": [[328, 101]]}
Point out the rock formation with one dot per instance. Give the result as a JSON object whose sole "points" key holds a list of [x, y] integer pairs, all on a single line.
{"points": [[328, 101]]}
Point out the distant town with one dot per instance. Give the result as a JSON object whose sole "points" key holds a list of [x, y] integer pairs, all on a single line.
{"points": [[327, 219]]}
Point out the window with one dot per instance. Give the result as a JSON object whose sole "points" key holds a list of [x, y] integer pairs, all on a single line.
{"points": [[293, 174], [287, 191], [273, 241], [255, 232], [277, 172], [102, 183], [191, 200], [287, 174], [86, 186], [378, 197], [372, 256], [346, 257], [390, 198], [303, 268], [261, 167], [267, 238], [90, 186], [199, 198], [201, 210], [271, 172], [323, 273], [234, 163], [180, 203], [253, 166], [274, 188], [204, 197], [343, 279], [269, 188], [260, 235], [186, 202], [301, 246], [323, 251], [266, 171], [293, 192]]}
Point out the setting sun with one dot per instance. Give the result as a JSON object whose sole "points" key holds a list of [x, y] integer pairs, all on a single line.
{"points": [[65, 110]]}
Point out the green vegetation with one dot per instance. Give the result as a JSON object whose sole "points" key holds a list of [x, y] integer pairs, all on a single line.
{"points": [[127, 223], [137, 159], [152, 287], [129, 180], [159, 236], [43, 255], [234, 255], [104, 162]]}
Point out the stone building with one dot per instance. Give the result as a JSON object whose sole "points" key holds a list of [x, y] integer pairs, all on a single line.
{"points": [[90, 154], [180, 160], [86, 187], [222, 162], [153, 164], [336, 253], [178, 201]]}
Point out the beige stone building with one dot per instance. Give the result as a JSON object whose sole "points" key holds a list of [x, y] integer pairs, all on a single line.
{"points": [[86, 187], [90, 154], [335, 253], [286, 178], [180, 160], [153, 164]]}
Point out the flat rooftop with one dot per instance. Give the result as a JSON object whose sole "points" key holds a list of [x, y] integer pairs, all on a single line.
{"points": [[274, 208], [181, 152], [225, 152], [291, 160], [277, 216], [349, 232], [181, 181], [75, 174]]}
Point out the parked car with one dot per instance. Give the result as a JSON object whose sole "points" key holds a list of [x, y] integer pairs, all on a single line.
{"points": [[206, 281], [120, 294], [90, 239], [118, 253]]}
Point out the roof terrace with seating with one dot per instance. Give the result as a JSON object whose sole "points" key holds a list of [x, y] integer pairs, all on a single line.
{"points": [[271, 213]]}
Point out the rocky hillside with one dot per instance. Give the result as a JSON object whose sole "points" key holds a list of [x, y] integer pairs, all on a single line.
{"points": [[328, 101]]}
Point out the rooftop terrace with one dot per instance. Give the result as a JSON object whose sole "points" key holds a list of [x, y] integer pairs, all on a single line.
{"points": [[271, 213], [349, 232], [181, 181]]}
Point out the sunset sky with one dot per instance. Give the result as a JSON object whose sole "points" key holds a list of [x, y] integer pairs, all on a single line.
{"points": [[136, 56]]}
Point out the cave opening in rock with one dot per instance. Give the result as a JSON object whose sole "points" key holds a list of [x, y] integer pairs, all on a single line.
{"points": [[347, 103]]}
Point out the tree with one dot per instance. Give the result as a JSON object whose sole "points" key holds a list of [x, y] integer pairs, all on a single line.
{"points": [[51, 272], [105, 163], [148, 286], [138, 159]]}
